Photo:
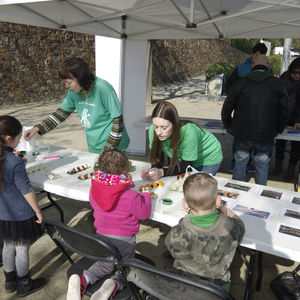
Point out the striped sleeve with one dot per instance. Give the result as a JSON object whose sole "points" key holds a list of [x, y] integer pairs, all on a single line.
{"points": [[52, 121], [116, 133]]}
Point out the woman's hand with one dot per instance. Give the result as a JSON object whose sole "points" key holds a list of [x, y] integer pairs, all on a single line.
{"points": [[28, 134], [152, 174], [144, 174], [155, 173]]}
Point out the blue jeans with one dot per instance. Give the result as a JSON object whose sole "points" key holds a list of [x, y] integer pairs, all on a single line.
{"points": [[213, 169], [242, 150]]}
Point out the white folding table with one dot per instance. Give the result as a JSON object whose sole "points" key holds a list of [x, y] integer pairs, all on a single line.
{"points": [[261, 235]]}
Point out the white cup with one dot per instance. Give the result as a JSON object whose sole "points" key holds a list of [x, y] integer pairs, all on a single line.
{"points": [[28, 146]]}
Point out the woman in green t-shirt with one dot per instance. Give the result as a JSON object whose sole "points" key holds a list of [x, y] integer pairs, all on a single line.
{"points": [[97, 106], [175, 144]]}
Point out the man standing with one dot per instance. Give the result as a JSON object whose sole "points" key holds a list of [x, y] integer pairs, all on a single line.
{"points": [[260, 107], [241, 71]]}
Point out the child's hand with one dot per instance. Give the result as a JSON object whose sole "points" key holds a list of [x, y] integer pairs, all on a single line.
{"points": [[230, 213], [222, 210], [227, 212], [40, 217], [16, 153], [145, 190]]}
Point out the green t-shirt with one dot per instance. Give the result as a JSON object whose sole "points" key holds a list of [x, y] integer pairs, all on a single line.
{"points": [[197, 145], [96, 114]]}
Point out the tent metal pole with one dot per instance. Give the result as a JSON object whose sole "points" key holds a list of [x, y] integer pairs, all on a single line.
{"points": [[230, 16], [209, 16], [122, 70], [122, 58], [192, 11], [188, 22]]}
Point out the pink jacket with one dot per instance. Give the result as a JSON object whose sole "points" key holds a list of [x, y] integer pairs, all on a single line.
{"points": [[117, 209]]}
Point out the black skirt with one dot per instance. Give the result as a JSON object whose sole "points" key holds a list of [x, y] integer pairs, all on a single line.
{"points": [[23, 231]]}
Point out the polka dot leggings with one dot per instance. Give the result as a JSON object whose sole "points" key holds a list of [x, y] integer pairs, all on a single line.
{"points": [[15, 257]]}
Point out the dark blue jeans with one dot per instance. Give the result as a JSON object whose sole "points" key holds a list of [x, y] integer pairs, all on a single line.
{"points": [[262, 150]]}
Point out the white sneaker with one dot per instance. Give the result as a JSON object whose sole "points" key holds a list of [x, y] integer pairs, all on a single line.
{"points": [[74, 288], [106, 290]]}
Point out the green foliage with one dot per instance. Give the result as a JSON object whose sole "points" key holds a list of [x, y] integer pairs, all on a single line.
{"points": [[244, 45], [275, 62], [220, 68]]}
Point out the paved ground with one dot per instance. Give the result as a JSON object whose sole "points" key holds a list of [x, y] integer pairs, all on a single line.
{"points": [[47, 261]]}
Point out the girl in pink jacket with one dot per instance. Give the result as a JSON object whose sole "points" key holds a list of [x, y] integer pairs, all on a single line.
{"points": [[117, 211]]}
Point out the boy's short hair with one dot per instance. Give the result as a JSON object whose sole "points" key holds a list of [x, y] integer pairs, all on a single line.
{"points": [[260, 47], [200, 191]]}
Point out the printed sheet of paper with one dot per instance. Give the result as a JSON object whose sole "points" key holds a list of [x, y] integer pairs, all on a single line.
{"points": [[252, 212], [291, 213], [288, 229], [294, 199], [273, 194], [238, 186]]}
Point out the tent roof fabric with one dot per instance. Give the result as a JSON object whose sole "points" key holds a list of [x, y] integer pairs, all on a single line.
{"points": [[160, 19]]}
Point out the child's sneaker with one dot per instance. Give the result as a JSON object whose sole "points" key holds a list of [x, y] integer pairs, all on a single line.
{"points": [[76, 287], [107, 290]]}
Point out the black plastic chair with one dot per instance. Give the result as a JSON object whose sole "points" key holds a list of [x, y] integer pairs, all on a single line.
{"points": [[163, 285], [92, 248]]}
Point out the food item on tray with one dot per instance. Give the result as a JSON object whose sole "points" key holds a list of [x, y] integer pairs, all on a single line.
{"points": [[78, 169], [153, 185], [86, 176]]}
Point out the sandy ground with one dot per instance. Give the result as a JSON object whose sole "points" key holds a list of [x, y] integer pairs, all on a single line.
{"points": [[47, 261]]}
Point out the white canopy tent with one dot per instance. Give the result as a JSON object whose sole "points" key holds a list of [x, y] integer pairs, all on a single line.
{"points": [[137, 21], [160, 19]]}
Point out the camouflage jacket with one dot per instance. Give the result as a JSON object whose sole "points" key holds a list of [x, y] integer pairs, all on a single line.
{"points": [[206, 252]]}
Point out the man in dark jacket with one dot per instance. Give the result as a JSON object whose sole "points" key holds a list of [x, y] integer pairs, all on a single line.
{"points": [[261, 110], [241, 71]]}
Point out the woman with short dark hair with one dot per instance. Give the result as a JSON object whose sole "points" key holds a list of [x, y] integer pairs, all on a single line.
{"points": [[97, 105]]}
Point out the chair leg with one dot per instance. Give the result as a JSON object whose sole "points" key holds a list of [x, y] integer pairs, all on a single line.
{"points": [[133, 289], [250, 273], [64, 251], [259, 270], [56, 206], [52, 203]]}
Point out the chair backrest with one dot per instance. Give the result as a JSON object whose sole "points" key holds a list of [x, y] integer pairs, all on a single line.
{"points": [[168, 286], [87, 245]]}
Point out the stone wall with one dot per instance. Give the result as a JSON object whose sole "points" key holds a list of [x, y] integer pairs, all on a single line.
{"points": [[29, 61], [178, 60], [30, 57]]}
